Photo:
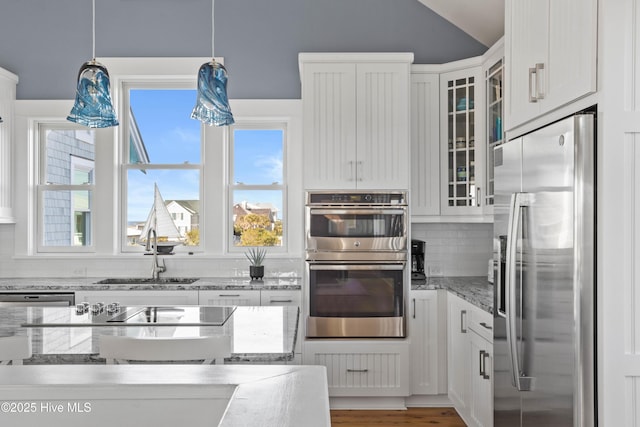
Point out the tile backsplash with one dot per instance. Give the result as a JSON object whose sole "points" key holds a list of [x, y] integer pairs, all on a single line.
{"points": [[455, 249]]}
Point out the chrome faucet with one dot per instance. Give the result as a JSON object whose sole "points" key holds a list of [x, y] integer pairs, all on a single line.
{"points": [[157, 268]]}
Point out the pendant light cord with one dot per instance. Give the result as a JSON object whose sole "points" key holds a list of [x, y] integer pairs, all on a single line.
{"points": [[93, 34]]}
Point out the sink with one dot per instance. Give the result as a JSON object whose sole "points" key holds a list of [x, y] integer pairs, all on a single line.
{"points": [[147, 281]]}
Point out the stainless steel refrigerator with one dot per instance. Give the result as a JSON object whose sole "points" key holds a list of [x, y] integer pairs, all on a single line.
{"points": [[544, 253]]}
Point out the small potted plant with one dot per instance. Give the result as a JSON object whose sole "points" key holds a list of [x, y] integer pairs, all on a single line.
{"points": [[255, 257]]}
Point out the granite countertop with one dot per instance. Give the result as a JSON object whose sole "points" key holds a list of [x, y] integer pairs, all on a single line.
{"points": [[202, 283], [476, 290], [258, 334], [158, 395]]}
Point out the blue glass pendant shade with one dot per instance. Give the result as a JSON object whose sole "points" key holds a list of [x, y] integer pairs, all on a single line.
{"points": [[212, 104], [93, 106]]}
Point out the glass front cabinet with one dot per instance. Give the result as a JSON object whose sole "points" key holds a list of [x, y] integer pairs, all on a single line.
{"points": [[495, 134], [463, 142]]}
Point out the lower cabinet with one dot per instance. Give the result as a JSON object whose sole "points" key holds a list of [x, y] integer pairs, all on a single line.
{"points": [[280, 297], [427, 331], [362, 368], [470, 370], [136, 297]]}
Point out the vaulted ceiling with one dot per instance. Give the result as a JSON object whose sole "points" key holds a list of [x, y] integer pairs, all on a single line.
{"points": [[481, 19]]}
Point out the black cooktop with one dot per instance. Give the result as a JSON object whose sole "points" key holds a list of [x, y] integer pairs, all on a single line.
{"points": [[196, 315]]}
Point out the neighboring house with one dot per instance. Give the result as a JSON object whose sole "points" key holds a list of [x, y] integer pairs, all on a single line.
{"points": [[265, 209], [185, 214]]}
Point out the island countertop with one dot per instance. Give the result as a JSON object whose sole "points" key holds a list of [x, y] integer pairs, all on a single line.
{"points": [[258, 334], [91, 284]]}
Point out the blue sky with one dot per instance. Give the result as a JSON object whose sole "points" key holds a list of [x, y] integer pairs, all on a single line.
{"points": [[171, 136]]}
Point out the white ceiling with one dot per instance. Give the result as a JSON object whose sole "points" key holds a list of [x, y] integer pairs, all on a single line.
{"points": [[481, 19]]}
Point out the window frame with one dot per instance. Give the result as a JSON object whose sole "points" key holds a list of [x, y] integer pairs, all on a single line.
{"points": [[41, 186], [257, 124]]}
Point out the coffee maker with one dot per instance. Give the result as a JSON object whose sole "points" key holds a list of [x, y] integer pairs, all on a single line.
{"points": [[417, 259]]}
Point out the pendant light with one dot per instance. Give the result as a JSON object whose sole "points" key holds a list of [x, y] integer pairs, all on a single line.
{"points": [[93, 106], [212, 103]]}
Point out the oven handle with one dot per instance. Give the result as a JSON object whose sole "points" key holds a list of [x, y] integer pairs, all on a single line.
{"points": [[341, 267], [320, 211]]}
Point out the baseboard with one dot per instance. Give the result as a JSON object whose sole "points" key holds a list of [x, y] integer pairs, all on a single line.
{"points": [[360, 403], [428, 401]]}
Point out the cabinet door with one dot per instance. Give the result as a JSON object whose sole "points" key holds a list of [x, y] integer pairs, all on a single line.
{"points": [[572, 52], [481, 405], [459, 350], [382, 130], [526, 39], [137, 297], [424, 332], [231, 297], [493, 73], [462, 141], [329, 109], [425, 145]]}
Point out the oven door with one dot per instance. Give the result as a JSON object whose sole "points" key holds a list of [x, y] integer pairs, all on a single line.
{"points": [[333, 229], [356, 300]]}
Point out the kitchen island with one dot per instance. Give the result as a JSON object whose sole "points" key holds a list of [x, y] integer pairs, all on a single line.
{"points": [[161, 395], [260, 335]]}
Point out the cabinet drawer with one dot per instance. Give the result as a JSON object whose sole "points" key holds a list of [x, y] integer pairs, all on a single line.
{"points": [[231, 297], [274, 297], [370, 372], [481, 323]]}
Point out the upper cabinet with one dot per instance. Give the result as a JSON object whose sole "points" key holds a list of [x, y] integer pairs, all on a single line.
{"points": [[462, 141], [551, 55], [8, 82], [356, 120], [425, 144]]}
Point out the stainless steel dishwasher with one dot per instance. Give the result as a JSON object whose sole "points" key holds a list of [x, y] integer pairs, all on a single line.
{"points": [[37, 298]]}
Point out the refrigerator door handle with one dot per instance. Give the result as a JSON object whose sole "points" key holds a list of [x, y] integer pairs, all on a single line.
{"points": [[518, 201]]}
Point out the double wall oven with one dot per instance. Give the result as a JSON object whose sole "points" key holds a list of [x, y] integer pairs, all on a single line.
{"points": [[356, 259]]}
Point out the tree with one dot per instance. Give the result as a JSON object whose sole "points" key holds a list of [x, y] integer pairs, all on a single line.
{"points": [[252, 220], [258, 237], [193, 237]]}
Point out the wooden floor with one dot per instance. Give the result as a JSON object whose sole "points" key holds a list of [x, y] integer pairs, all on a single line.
{"points": [[441, 417]]}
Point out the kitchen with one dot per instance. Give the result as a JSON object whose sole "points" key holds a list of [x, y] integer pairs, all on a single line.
{"points": [[615, 97]]}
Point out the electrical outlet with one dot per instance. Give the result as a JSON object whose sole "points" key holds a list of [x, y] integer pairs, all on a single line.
{"points": [[435, 270]]}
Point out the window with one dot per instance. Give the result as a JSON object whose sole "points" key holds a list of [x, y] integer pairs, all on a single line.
{"points": [[257, 184], [164, 151], [65, 187]]}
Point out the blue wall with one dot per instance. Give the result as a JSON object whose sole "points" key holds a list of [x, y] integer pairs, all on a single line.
{"points": [[45, 42]]}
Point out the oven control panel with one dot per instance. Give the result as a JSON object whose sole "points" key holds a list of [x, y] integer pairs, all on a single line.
{"points": [[356, 198]]}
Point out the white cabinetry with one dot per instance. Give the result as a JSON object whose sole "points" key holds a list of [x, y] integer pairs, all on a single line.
{"points": [[551, 55], [8, 82], [362, 368], [462, 141], [481, 348], [425, 143], [280, 297], [428, 342], [137, 297], [229, 297], [470, 345], [356, 120]]}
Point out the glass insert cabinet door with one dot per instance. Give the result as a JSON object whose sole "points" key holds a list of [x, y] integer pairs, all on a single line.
{"points": [[495, 135], [463, 138]]}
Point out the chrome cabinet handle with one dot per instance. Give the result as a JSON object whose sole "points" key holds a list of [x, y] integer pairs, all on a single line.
{"points": [[414, 307], [485, 356], [463, 315], [481, 363], [539, 87], [280, 300], [229, 295], [359, 170], [532, 72], [478, 195], [351, 173], [484, 325], [358, 370]]}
